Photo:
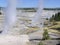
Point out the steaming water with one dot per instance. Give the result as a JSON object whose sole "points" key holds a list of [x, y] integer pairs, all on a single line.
{"points": [[10, 16], [38, 16]]}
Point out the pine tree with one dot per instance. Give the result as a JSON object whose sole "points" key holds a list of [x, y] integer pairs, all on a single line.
{"points": [[46, 35]]}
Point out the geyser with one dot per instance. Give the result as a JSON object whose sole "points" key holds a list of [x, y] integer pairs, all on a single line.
{"points": [[37, 18], [10, 16]]}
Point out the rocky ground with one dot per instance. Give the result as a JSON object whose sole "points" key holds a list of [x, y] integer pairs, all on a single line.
{"points": [[36, 37], [46, 42]]}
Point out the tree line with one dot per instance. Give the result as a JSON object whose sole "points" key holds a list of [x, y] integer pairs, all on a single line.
{"points": [[55, 17]]}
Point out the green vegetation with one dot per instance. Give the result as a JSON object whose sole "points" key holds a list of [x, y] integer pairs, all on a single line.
{"points": [[46, 35], [54, 27], [51, 8], [0, 13], [55, 17], [55, 21], [41, 43]]}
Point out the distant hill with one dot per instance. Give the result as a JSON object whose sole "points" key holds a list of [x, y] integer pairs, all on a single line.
{"points": [[51, 8], [35, 8]]}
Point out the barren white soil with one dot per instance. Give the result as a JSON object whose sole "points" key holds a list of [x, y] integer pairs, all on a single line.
{"points": [[13, 40]]}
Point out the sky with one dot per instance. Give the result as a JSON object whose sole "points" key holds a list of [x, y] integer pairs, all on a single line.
{"points": [[33, 3]]}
